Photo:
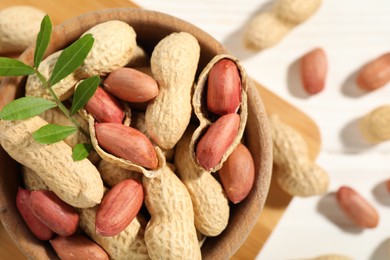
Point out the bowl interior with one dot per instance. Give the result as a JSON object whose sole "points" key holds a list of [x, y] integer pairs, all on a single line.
{"points": [[150, 28]]}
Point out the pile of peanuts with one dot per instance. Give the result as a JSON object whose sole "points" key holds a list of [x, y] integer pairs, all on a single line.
{"points": [[159, 132]]}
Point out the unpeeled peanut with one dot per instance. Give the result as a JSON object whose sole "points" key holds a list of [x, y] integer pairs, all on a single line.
{"points": [[332, 257], [138, 122], [19, 26], [268, 28], [40, 230], [361, 212], [174, 62], [127, 143], [119, 207], [104, 107], [374, 74], [295, 11], [77, 183], [131, 85], [224, 88], [60, 217], [296, 173], [32, 181], [313, 69], [238, 174], [217, 139], [375, 126], [211, 206], [77, 247], [170, 233], [264, 31], [117, 39]]}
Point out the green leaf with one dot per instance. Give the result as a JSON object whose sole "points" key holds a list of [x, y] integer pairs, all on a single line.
{"points": [[12, 67], [43, 39], [51, 133], [81, 151], [71, 58], [25, 107], [84, 92]]}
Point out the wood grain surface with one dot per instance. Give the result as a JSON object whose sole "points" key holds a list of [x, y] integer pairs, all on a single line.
{"points": [[277, 200]]}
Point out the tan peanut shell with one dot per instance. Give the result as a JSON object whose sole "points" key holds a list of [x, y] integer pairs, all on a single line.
{"points": [[32, 181], [295, 11], [120, 162], [112, 174], [211, 206], [332, 257], [170, 233], [174, 62], [114, 45], [264, 31], [63, 89], [140, 58], [375, 126], [204, 116], [77, 183], [19, 27], [296, 173], [138, 122], [128, 244]]}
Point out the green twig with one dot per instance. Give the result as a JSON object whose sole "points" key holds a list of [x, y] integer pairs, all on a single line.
{"points": [[59, 103]]}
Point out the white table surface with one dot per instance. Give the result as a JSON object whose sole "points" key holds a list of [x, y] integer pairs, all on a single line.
{"points": [[352, 32]]}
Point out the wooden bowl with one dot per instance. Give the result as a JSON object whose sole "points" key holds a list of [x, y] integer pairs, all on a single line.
{"points": [[150, 27]]}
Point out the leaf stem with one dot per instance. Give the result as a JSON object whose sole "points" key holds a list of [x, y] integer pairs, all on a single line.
{"points": [[59, 103]]}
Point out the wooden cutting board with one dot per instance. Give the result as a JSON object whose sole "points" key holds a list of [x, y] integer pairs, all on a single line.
{"points": [[277, 200]]}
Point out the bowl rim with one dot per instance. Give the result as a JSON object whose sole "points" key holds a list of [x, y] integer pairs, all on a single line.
{"points": [[221, 247]]}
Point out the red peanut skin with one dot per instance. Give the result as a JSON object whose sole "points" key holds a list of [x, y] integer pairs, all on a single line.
{"points": [[224, 88], [313, 68], [374, 74], [217, 139], [237, 174], [357, 208], [60, 217], [119, 207], [127, 143], [78, 247], [40, 230], [131, 85], [105, 108]]}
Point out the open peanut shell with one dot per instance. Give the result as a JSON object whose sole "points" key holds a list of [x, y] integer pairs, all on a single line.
{"points": [[205, 117], [120, 162]]}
